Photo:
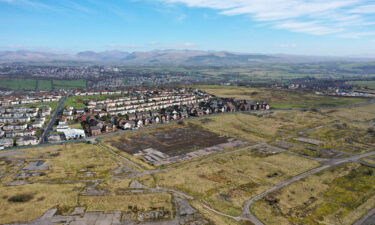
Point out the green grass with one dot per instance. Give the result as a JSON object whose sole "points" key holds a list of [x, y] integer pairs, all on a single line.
{"points": [[365, 84], [43, 85], [69, 84], [18, 84], [280, 99]]}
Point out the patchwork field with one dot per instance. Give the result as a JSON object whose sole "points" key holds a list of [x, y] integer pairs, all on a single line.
{"points": [[279, 99], [226, 182], [336, 196]]}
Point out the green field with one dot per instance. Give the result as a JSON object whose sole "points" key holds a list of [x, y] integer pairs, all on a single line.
{"points": [[280, 99], [18, 84], [69, 84], [43, 85], [365, 84]]}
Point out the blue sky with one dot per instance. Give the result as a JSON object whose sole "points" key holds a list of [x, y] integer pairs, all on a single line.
{"points": [[309, 27]]}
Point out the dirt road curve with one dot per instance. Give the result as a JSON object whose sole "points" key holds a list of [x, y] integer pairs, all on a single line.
{"points": [[246, 209]]}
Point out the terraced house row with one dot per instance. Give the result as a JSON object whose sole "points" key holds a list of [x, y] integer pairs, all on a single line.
{"points": [[7, 101], [20, 126], [150, 107]]}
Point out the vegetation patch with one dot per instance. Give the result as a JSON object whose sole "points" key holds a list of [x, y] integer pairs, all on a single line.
{"points": [[337, 196], [280, 99], [40, 84], [21, 198], [30, 201], [226, 182]]}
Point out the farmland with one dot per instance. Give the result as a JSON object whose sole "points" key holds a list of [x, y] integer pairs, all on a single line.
{"points": [[365, 84], [43, 85]]}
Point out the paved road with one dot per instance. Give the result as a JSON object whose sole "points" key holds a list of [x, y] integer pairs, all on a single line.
{"points": [[53, 120], [246, 209], [367, 219]]}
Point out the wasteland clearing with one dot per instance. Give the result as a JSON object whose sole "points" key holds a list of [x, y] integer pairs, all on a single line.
{"points": [[336, 196], [226, 182]]}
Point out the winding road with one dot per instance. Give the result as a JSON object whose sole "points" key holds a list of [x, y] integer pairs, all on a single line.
{"points": [[246, 209]]}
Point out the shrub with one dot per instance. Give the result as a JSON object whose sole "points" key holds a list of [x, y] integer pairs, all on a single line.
{"points": [[21, 198]]}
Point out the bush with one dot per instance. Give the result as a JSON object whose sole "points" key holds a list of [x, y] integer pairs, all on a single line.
{"points": [[21, 198]]}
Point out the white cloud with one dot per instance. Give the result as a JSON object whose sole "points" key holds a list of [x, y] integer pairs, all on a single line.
{"points": [[364, 9], [307, 27], [357, 34], [318, 17], [27, 3]]}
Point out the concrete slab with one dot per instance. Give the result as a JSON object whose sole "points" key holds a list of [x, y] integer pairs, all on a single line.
{"points": [[78, 211], [37, 165]]}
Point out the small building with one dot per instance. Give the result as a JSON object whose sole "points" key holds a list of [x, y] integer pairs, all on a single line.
{"points": [[109, 128], [6, 142], [131, 116], [54, 138], [140, 123], [95, 130], [71, 134], [27, 141], [128, 125]]}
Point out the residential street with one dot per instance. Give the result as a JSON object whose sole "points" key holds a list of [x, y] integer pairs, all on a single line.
{"points": [[53, 120]]}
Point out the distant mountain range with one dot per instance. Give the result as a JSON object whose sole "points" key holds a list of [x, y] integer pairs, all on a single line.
{"points": [[167, 57]]}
